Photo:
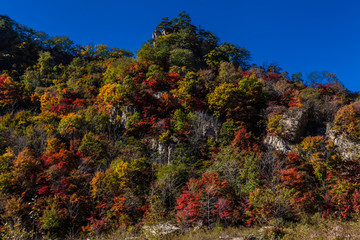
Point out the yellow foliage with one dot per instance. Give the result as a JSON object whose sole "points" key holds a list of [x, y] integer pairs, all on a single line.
{"points": [[186, 88], [53, 145], [70, 124], [165, 136], [347, 119], [223, 98], [6, 159], [47, 100], [313, 143], [8, 154], [48, 121], [274, 124], [97, 183], [121, 169], [14, 208], [320, 154], [26, 160], [113, 181]]}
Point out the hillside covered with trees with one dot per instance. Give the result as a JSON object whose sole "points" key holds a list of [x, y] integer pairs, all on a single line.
{"points": [[188, 132]]}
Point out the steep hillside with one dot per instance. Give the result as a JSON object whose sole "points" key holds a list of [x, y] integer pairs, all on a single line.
{"points": [[187, 133]]}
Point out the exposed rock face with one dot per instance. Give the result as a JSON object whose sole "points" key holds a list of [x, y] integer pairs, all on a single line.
{"points": [[157, 33], [161, 229], [125, 113], [347, 148], [276, 143], [162, 150], [294, 124], [114, 112], [206, 126], [158, 95]]}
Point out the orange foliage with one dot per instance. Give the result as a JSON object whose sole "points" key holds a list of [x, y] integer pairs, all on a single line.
{"points": [[9, 91], [291, 178], [244, 142]]}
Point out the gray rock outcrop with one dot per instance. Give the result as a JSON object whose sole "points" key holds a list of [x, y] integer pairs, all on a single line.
{"points": [[125, 112], [294, 124], [206, 126], [276, 143], [162, 150], [347, 147], [161, 229]]}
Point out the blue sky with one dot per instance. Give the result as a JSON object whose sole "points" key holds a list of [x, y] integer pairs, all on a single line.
{"points": [[301, 36]]}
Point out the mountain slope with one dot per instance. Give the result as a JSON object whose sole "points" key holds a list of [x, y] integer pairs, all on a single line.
{"points": [[188, 131]]}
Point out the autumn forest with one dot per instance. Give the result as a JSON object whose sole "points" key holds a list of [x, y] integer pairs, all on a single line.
{"points": [[188, 131]]}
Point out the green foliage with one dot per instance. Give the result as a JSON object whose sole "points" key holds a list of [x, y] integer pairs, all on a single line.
{"points": [[6, 160], [274, 125], [131, 123], [156, 213], [93, 146], [45, 62], [321, 155], [70, 124], [6, 183], [224, 98], [187, 88], [117, 69], [117, 94], [272, 206], [179, 42], [239, 102], [227, 132], [227, 73], [95, 120], [181, 57], [16, 231], [249, 174], [227, 52], [51, 219], [297, 77], [182, 120], [48, 121], [241, 172], [101, 51], [227, 165], [93, 139]]}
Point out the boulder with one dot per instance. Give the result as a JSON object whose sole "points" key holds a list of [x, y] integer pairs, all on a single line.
{"points": [[276, 143], [158, 230], [294, 124], [347, 147]]}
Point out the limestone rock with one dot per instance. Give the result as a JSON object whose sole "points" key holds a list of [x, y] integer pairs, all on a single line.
{"points": [[125, 113], [294, 124], [157, 33], [159, 230], [347, 147], [158, 95], [276, 143], [162, 150], [206, 126]]}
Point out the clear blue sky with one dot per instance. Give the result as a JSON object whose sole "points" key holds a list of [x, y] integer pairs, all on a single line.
{"points": [[300, 36]]}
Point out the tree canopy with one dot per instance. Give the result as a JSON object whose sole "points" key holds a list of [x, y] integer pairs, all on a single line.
{"points": [[186, 131]]}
